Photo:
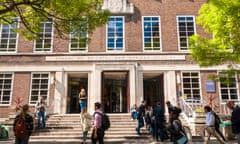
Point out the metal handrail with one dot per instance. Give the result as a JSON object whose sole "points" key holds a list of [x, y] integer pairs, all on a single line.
{"points": [[186, 108]]}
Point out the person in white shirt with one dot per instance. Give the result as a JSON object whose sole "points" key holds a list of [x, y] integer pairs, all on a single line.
{"points": [[210, 126], [41, 112]]}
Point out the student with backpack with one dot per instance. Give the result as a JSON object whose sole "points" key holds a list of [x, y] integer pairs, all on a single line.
{"points": [[23, 126], [210, 126], [176, 128], [97, 131]]}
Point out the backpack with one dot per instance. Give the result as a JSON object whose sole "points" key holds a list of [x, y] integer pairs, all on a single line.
{"points": [[105, 121], [187, 132], [20, 128], [3, 131], [217, 120]]}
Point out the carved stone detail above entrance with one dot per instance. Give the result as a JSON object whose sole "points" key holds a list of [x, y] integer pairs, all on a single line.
{"points": [[118, 6]]}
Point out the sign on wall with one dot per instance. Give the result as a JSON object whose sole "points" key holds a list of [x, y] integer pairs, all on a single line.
{"points": [[210, 86]]}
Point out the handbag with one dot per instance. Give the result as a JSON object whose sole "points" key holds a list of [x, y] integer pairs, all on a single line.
{"points": [[182, 140]]}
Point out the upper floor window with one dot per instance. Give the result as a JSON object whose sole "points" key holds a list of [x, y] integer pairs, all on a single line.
{"points": [[39, 86], [6, 82], [191, 86], [8, 37], [228, 87], [44, 43], [115, 33], [151, 33], [78, 43], [185, 28]]}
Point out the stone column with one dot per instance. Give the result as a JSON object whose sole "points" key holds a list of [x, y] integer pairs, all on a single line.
{"points": [[170, 89]]}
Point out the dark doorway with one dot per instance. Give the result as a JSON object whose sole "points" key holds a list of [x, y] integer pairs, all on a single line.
{"points": [[115, 91], [153, 89], [75, 84]]}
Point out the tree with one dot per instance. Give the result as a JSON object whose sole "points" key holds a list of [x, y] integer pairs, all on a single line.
{"points": [[221, 20], [66, 15]]}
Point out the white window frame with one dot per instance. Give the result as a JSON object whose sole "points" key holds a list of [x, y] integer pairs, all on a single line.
{"points": [[160, 35], [11, 89], [123, 48], [194, 24], [199, 82], [78, 48], [237, 89], [31, 88], [17, 36], [43, 33]]}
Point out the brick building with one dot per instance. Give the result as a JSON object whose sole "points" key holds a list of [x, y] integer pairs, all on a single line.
{"points": [[141, 53]]}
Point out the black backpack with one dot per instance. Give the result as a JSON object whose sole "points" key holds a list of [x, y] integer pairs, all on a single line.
{"points": [[217, 120], [105, 121]]}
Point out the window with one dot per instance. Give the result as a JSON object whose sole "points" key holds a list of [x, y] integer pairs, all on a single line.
{"points": [[228, 87], [115, 33], [191, 86], [8, 37], [6, 81], [44, 43], [39, 86], [186, 28], [78, 43], [151, 33]]}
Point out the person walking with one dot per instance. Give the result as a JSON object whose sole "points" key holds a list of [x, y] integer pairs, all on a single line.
{"points": [[41, 112], [210, 126], [175, 127], [141, 115], [97, 132], [85, 118], [23, 126], [235, 118], [158, 122]]}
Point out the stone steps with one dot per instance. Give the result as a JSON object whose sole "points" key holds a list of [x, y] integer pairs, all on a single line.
{"points": [[67, 129]]}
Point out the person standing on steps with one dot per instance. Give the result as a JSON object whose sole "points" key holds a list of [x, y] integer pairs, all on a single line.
{"points": [[86, 123], [82, 99], [41, 112], [141, 115]]}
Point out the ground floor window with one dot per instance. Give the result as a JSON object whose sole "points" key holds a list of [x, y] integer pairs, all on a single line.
{"points": [[39, 86], [191, 86], [228, 87], [6, 82]]}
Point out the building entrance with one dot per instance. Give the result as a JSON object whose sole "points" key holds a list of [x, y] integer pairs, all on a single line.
{"points": [[76, 82], [115, 89], [153, 89]]}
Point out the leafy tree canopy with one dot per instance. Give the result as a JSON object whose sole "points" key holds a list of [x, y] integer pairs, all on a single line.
{"points": [[67, 15], [221, 19]]}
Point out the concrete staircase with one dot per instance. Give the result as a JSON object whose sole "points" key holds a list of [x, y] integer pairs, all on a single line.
{"points": [[66, 128]]}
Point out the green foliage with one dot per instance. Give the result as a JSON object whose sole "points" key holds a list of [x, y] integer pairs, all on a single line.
{"points": [[219, 18], [67, 15]]}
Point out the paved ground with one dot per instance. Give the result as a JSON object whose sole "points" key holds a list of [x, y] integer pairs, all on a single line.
{"points": [[196, 140]]}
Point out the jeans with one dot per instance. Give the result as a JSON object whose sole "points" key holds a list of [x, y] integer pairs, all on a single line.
{"points": [[41, 115], [82, 104], [85, 133], [158, 130], [140, 124], [23, 140]]}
